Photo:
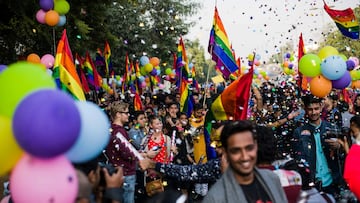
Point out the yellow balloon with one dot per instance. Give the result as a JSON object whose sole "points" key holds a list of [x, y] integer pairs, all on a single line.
{"points": [[10, 151], [327, 51]]}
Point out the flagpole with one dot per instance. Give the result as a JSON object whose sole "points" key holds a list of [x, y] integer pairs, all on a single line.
{"points": [[54, 51], [207, 78]]}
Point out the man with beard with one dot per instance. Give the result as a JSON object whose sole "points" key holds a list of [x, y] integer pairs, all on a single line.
{"points": [[243, 181], [313, 143]]}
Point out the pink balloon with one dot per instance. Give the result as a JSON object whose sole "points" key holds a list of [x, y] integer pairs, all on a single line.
{"points": [[40, 16], [48, 60], [355, 59], [43, 180]]}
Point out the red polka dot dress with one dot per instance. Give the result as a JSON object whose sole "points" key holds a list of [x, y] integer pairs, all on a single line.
{"points": [[161, 156]]}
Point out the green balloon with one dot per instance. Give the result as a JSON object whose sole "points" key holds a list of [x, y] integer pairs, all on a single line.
{"points": [[168, 71], [18, 80], [61, 6], [309, 65], [143, 71]]}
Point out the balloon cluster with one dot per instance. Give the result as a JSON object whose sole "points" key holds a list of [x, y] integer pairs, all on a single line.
{"points": [[288, 65], [47, 60], [259, 74], [43, 130], [326, 70], [149, 68], [52, 12]]}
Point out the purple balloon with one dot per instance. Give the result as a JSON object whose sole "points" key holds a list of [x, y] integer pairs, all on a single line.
{"points": [[290, 66], [153, 72], [46, 123], [343, 82], [46, 5], [350, 65], [2, 67]]}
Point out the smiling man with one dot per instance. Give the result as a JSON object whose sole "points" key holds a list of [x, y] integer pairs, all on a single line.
{"points": [[242, 181], [314, 143]]}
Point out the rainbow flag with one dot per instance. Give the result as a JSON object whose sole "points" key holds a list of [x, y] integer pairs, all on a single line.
{"points": [[231, 104], [64, 73], [107, 56], [127, 73], [345, 20], [220, 49], [183, 72], [92, 74], [137, 102], [83, 80]]}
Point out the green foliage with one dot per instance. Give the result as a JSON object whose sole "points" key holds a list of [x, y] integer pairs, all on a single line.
{"points": [[130, 26]]}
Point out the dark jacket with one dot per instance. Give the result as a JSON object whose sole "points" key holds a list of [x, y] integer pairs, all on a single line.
{"points": [[305, 148]]}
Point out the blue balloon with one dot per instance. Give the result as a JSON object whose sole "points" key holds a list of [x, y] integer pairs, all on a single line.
{"points": [[62, 21], [94, 133], [144, 60], [191, 65], [257, 57], [2, 67], [333, 67]]}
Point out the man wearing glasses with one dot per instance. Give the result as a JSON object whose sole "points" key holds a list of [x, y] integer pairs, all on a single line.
{"points": [[117, 153]]}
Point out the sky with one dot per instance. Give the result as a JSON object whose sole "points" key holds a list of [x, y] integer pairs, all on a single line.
{"points": [[263, 26]]}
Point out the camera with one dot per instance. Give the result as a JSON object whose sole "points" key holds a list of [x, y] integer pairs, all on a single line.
{"points": [[155, 148], [110, 168]]}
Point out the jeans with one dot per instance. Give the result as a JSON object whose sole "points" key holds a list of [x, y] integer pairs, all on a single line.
{"points": [[129, 189]]}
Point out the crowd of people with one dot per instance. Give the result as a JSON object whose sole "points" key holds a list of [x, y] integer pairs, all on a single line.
{"points": [[294, 147]]}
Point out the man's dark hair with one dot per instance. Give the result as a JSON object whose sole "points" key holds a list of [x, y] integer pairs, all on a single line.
{"points": [[88, 166], [198, 107], [355, 120], [266, 145], [136, 115], [310, 99], [172, 103], [233, 127]]}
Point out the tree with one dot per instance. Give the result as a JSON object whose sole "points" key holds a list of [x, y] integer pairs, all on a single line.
{"points": [[149, 27], [133, 26]]}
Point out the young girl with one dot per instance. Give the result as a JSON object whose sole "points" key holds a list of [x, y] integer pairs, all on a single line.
{"points": [[158, 141]]}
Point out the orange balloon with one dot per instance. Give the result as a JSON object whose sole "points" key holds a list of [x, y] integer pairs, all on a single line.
{"points": [[355, 84], [33, 58], [320, 86], [52, 18], [155, 61]]}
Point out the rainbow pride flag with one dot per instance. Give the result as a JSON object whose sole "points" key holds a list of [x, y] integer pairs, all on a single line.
{"points": [[345, 20], [64, 73], [107, 56], [183, 72], [91, 72], [220, 49], [83, 79], [231, 104]]}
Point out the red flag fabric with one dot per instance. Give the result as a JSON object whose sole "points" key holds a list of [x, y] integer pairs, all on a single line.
{"points": [[302, 81]]}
